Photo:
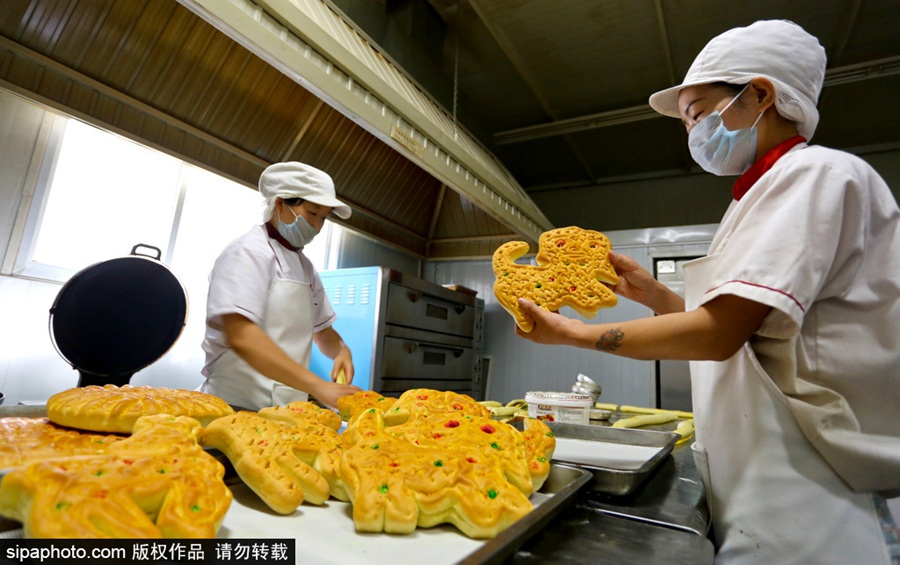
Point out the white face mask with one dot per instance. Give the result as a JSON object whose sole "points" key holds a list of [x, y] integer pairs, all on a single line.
{"points": [[299, 233], [720, 151]]}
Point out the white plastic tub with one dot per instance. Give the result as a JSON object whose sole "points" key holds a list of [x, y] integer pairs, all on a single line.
{"points": [[565, 407]]}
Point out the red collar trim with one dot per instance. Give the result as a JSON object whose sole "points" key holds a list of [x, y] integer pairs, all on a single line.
{"points": [[273, 233], [746, 181]]}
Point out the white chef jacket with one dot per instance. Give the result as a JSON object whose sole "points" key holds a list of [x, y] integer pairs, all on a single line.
{"points": [[239, 284], [817, 238]]}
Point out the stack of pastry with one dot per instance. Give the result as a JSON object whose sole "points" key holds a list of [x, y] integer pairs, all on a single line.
{"points": [[426, 458], [74, 476], [115, 409], [447, 463]]}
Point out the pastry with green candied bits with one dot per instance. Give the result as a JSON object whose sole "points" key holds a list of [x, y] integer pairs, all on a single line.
{"points": [[572, 270], [26, 440], [286, 458], [441, 467], [355, 404], [158, 483]]}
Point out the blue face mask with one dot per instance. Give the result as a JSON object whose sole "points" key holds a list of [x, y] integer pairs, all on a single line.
{"points": [[720, 151], [299, 233]]}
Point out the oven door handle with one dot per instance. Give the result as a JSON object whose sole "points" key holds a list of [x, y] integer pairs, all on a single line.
{"points": [[411, 346], [415, 295]]}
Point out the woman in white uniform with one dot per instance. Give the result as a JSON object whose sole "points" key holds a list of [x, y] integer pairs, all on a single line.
{"points": [[791, 323], [266, 303]]}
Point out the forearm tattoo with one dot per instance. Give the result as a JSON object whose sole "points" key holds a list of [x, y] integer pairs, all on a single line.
{"points": [[610, 340]]}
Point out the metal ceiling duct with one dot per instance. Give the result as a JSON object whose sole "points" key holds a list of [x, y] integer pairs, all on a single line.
{"points": [[314, 46]]}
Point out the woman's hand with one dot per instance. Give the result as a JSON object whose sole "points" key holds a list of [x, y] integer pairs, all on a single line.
{"points": [[550, 328], [328, 393], [715, 331], [343, 362], [255, 347], [636, 283]]}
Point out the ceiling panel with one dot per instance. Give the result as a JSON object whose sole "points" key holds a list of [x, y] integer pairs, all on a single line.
{"points": [[874, 34], [155, 71], [594, 64], [875, 110]]}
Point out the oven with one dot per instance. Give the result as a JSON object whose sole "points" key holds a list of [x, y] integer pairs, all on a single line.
{"points": [[405, 332]]}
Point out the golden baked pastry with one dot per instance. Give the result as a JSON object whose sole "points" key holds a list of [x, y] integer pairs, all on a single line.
{"points": [[26, 440], [354, 404], [396, 485], [424, 401], [572, 267], [478, 439], [302, 413], [157, 483], [540, 444], [283, 464], [319, 444], [448, 462], [115, 409]]}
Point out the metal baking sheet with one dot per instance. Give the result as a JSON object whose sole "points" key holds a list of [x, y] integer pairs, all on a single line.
{"points": [[556, 493], [326, 535], [619, 459]]}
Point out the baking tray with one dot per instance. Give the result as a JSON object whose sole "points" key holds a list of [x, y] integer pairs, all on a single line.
{"points": [[325, 534], [557, 492], [618, 475]]}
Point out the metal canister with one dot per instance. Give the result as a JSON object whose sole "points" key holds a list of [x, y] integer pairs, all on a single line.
{"points": [[584, 385]]}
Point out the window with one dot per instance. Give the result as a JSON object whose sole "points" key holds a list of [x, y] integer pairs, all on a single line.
{"points": [[101, 194], [106, 195]]}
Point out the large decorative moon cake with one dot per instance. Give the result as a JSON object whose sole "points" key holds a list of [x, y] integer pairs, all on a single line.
{"points": [[116, 409], [396, 486], [418, 402], [572, 267]]}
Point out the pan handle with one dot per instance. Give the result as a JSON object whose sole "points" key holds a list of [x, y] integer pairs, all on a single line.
{"points": [[158, 251]]}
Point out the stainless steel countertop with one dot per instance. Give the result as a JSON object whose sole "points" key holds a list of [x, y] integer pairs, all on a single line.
{"points": [[673, 497], [664, 521], [583, 535]]}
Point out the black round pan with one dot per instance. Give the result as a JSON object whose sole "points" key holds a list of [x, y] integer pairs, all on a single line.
{"points": [[116, 317]]}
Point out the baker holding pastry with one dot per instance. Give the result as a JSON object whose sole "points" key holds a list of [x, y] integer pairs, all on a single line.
{"points": [[792, 322], [266, 303]]}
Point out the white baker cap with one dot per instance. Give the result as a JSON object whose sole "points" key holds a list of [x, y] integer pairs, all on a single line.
{"points": [[778, 50], [298, 180]]}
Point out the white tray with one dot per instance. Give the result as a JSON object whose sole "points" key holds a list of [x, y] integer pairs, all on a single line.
{"points": [[325, 534], [620, 459]]}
